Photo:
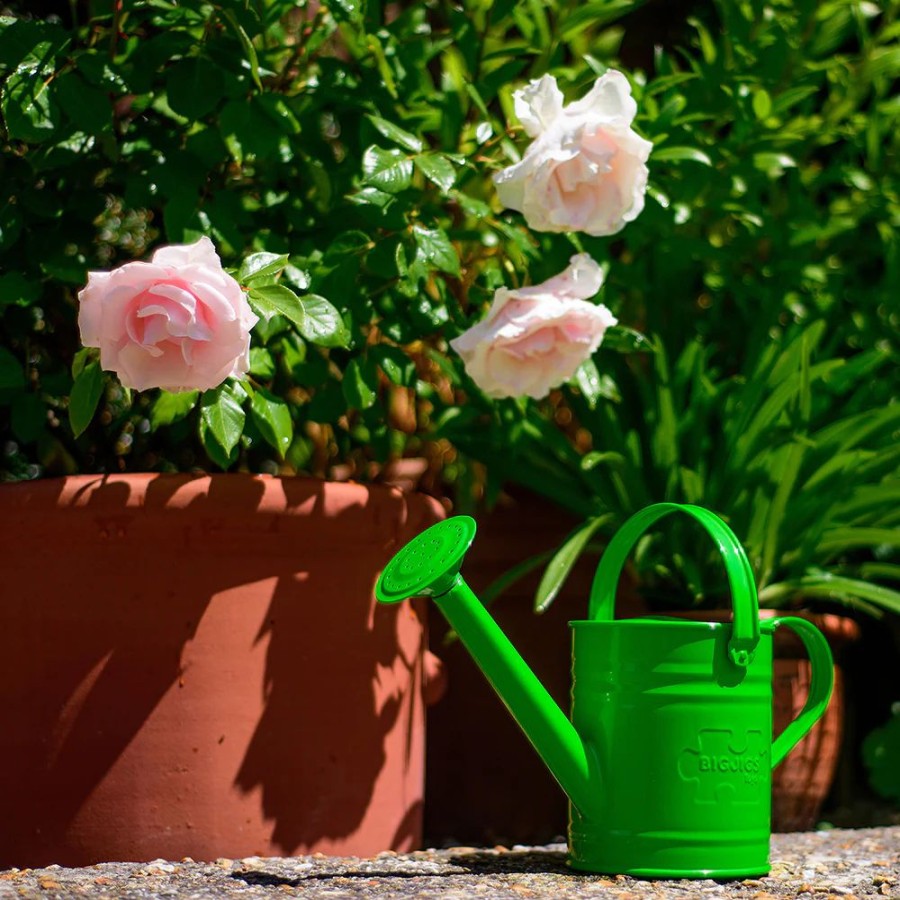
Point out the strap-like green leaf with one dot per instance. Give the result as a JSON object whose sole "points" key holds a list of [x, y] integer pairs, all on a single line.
{"points": [[560, 567]]}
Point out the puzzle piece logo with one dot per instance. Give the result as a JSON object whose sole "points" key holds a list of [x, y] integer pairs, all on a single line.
{"points": [[727, 766]]}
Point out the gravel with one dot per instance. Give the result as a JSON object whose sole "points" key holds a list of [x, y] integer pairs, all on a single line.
{"points": [[839, 864]]}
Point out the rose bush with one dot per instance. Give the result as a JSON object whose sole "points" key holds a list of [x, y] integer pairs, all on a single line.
{"points": [[179, 322], [535, 338], [586, 168]]}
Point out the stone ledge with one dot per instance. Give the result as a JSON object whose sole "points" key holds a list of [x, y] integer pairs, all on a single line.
{"points": [[824, 865]]}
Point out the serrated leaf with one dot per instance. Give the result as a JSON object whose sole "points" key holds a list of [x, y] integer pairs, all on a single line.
{"points": [[360, 384], [28, 108], [262, 363], [316, 319], [169, 407], [372, 196], [322, 323], [261, 265], [88, 107], [396, 134], [194, 87], [273, 418], [395, 364], [86, 392], [435, 248], [223, 417], [389, 170], [437, 168]]}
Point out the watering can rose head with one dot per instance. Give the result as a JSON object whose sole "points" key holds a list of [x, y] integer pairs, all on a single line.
{"points": [[534, 338], [178, 322], [586, 168]]}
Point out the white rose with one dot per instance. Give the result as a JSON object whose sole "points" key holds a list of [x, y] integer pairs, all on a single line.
{"points": [[534, 338], [586, 168]]}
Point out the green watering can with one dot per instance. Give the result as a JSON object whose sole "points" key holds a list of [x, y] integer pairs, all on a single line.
{"points": [[667, 759]]}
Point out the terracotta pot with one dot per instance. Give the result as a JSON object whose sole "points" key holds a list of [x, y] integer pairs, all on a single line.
{"points": [[195, 666], [486, 784], [802, 782]]}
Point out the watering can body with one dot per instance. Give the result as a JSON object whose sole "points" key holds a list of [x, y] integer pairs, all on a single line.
{"points": [[668, 755], [681, 749]]}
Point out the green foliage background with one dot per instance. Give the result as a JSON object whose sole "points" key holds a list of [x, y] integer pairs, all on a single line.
{"points": [[355, 142]]}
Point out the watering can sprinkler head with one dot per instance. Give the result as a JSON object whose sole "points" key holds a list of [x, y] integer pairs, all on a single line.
{"points": [[428, 566]]}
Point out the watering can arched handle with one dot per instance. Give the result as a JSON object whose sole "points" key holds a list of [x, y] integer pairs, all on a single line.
{"points": [[745, 631], [819, 689]]}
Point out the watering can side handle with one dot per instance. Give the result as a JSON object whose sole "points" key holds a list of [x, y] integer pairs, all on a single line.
{"points": [[819, 689], [745, 633]]}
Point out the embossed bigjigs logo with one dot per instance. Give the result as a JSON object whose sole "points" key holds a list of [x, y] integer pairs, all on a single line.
{"points": [[726, 766]]}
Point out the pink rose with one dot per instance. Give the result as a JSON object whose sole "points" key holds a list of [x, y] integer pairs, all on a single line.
{"points": [[178, 322], [535, 338], [586, 168]]}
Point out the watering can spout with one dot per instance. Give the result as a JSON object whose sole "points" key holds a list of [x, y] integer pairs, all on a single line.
{"points": [[429, 566]]}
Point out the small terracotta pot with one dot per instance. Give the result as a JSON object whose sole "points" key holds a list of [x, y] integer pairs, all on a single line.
{"points": [[195, 666], [802, 782]]}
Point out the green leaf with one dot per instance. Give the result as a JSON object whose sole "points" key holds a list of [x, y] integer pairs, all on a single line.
{"points": [[247, 44], [11, 375], [398, 367], [775, 520], [773, 164], [262, 363], [762, 104], [626, 340], [588, 380], [194, 87], [273, 418], [840, 540], [322, 322], [360, 384], [503, 582], [387, 170], [593, 15], [317, 320], [88, 107], [834, 587], [348, 10], [28, 417], [435, 248], [438, 168], [28, 108], [16, 290], [396, 134], [222, 417], [560, 566], [86, 392], [261, 265], [681, 154], [169, 407]]}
